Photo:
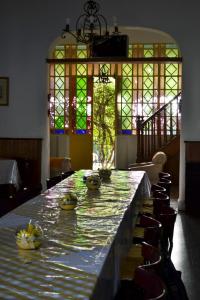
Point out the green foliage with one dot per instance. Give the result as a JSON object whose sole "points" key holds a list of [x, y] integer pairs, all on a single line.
{"points": [[104, 123]]}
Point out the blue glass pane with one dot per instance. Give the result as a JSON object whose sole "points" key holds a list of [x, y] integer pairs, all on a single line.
{"points": [[81, 131], [59, 131], [127, 131]]}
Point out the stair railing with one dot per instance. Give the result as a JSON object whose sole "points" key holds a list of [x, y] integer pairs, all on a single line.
{"points": [[159, 129]]}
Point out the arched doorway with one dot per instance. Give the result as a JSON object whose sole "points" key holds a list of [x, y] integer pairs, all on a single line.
{"points": [[141, 87]]}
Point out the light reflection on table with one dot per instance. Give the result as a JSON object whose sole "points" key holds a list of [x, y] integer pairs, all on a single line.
{"points": [[81, 252]]}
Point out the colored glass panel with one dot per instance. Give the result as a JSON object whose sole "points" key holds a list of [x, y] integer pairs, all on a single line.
{"points": [[148, 53], [79, 131], [127, 70], [126, 131], [81, 51], [81, 103], [59, 131], [142, 89], [81, 69], [59, 122], [127, 83], [59, 52], [125, 105]]}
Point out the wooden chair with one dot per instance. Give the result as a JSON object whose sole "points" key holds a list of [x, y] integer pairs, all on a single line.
{"points": [[158, 204], [167, 217], [59, 165], [157, 188], [166, 184], [142, 254], [7, 198], [66, 174], [148, 230], [53, 181], [150, 253], [161, 195], [164, 175], [151, 284], [152, 168]]}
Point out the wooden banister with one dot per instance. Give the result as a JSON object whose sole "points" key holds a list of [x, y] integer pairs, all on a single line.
{"points": [[158, 130]]}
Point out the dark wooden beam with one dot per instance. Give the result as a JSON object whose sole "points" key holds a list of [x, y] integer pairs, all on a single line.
{"points": [[120, 60]]}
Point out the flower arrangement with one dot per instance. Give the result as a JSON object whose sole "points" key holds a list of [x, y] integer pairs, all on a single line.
{"points": [[93, 182], [29, 237], [105, 173], [68, 201]]}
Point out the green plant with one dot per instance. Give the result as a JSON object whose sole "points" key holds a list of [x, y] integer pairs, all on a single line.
{"points": [[104, 123]]}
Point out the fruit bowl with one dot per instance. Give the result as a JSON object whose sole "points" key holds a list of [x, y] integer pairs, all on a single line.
{"points": [[68, 201], [29, 236], [93, 182]]}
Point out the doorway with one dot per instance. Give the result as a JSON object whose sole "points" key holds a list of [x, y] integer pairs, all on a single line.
{"points": [[141, 86], [104, 123]]}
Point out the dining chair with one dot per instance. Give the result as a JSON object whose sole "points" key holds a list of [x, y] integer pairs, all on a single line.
{"points": [[7, 198], [153, 167], [142, 254], [167, 217], [158, 204], [148, 229], [66, 174], [150, 253], [166, 184], [53, 181], [151, 284], [157, 188], [164, 175], [152, 204], [161, 195]]}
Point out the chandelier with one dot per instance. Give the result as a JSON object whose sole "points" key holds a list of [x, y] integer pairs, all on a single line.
{"points": [[90, 24]]}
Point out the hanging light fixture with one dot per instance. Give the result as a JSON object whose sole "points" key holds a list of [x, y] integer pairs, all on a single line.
{"points": [[90, 24], [103, 75]]}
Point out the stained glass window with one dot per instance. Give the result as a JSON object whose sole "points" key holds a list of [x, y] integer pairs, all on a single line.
{"points": [[140, 87]]}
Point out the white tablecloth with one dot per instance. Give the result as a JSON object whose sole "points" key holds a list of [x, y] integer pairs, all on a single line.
{"points": [[82, 249], [9, 172]]}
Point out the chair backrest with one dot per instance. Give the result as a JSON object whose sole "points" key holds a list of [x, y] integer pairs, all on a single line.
{"points": [[66, 174], [53, 181], [161, 195], [151, 284], [166, 184], [164, 175], [147, 221], [167, 217], [159, 158], [7, 191], [150, 253], [157, 188], [152, 168], [158, 204], [152, 257], [152, 229], [152, 235]]}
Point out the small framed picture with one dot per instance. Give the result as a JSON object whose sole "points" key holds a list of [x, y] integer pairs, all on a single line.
{"points": [[4, 90]]}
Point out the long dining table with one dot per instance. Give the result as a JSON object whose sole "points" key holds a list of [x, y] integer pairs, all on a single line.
{"points": [[81, 250]]}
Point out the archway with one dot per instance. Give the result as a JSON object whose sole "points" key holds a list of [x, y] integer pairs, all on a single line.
{"points": [[138, 84]]}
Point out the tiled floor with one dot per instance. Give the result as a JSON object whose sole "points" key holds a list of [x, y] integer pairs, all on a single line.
{"points": [[186, 252]]}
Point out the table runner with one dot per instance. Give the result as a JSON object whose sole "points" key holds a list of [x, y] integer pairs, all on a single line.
{"points": [[81, 251]]}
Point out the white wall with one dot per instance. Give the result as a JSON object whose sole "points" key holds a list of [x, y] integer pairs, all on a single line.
{"points": [[28, 28], [125, 151]]}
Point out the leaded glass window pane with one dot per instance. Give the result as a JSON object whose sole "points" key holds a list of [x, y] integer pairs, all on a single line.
{"points": [[141, 88]]}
